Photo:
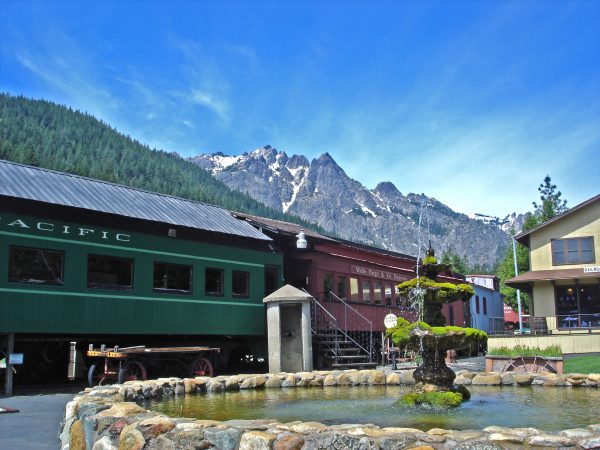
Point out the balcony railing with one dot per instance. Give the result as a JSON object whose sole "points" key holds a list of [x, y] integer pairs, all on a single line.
{"points": [[560, 324]]}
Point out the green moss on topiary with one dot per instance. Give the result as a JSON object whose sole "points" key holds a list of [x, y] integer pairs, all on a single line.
{"points": [[443, 399], [403, 331], [429, 259], [435, 291]]}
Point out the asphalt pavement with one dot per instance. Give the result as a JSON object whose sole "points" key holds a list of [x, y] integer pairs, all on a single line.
{"points": [[36, 424]]}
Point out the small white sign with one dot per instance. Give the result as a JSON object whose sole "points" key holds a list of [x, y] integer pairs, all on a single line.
{"points": [[15, 358], [390, 321], [592, 269]]}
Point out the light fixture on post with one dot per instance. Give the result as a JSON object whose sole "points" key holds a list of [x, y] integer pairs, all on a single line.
{"points": [[301, 242]]}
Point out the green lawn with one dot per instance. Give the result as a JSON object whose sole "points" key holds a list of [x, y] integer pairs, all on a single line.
{"points": [[582, 364]]}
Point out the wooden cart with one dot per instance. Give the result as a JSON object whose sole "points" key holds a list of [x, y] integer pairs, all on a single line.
{"points": [[117, 365]]}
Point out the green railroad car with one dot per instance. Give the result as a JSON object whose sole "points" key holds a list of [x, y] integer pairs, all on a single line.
{"points": [[92, 262]]}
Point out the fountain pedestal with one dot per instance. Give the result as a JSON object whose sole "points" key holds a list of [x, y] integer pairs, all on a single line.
{"points": [[431, 338]]}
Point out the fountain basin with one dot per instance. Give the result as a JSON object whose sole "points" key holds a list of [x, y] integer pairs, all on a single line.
{"points": [[110, 414]]}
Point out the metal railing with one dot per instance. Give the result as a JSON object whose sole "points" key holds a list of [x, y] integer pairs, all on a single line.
{"points": [[326, 326], [366, 325], [559, 324]]}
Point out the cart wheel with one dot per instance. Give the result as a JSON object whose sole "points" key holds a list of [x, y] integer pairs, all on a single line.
{"points": [[96, 377], [94, 374], [201, 367], [132, 370]]}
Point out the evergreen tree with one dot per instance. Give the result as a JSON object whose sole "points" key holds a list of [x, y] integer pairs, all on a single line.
{"points": [[506, 268], [551, 204], [458, 263], [41, 133]]}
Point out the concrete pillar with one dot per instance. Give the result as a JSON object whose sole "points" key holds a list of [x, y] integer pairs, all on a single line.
{"points": [[289, 330]]}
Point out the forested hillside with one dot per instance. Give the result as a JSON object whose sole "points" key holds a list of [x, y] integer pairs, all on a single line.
{"points": [[44, 134]]}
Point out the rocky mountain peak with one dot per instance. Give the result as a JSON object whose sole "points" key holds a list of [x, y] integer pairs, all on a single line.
{"points": [[387, 189], [321, 192]]}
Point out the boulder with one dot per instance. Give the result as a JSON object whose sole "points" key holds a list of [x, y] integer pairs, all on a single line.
{"points": [[466, 373], [587, 443], [338, 441], [487, 379], [330, 380], [396, 441], [393, 379], [576, 433], [289, 381], [124, 409], [508, 438], [462, 381], [407, 378], [576, 379], [256, 440], [77, 435], [523, 379], [358, 378], [308, 427], [344, 379], [374, 377], [223, 439], [273, 382], [154, 426], [131, 438], [288, 441], [106, 443], [550, 440]]}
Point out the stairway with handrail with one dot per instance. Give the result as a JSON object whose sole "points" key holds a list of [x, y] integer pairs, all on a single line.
{"points": [[338, 347]]}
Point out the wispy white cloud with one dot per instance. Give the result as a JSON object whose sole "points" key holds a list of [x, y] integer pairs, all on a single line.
{"points": [[70, 75], [219, 106]]}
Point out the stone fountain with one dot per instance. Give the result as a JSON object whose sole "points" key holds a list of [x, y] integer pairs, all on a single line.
{"points": [[429, 335]]}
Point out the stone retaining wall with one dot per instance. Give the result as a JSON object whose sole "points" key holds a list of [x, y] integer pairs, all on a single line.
{"points": [[108, 417]]}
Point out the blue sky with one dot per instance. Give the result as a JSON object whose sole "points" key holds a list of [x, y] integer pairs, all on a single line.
{"points": [[470, 102]]}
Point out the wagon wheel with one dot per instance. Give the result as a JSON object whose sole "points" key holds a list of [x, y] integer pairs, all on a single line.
{"points": [[201, 367], [97, 377], [518, 364], [132, 370], [515, 365]]}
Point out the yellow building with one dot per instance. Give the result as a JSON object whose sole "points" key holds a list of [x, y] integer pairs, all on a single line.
{"points": [[564, 280]]}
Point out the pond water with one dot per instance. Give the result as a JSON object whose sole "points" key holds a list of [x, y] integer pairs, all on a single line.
{"points": [[549, 409]]}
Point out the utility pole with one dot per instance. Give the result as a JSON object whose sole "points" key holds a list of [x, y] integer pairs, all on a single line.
{"points": [[518, 290]]}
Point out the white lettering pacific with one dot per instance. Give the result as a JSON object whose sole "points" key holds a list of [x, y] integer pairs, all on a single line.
{"points": [[49, 227], [44, 226], [18, 223]]}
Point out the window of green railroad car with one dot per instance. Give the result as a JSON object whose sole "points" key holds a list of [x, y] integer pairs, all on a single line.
{"points": [[36, 265], [213, 282], [240, 284], [109, 272], [175, 278]]}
